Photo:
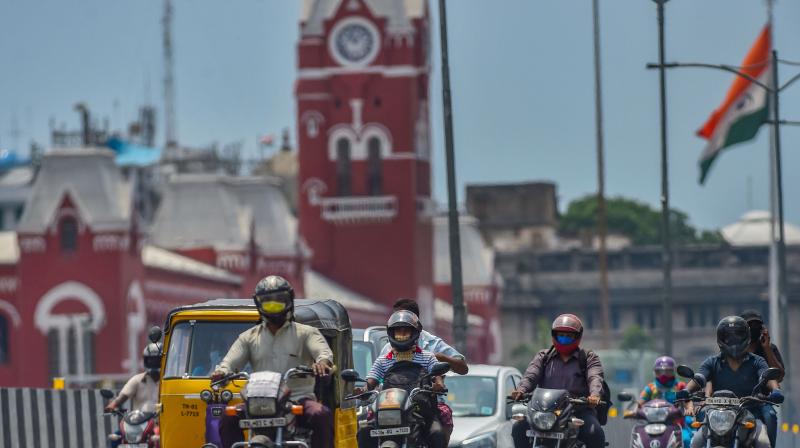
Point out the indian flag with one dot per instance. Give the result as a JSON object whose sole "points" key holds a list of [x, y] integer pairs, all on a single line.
{"points": [[745, 108]]}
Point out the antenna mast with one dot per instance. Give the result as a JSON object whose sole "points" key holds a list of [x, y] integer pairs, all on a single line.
{"points": [[169, 82]]}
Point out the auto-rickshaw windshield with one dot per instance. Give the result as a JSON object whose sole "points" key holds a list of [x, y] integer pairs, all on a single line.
{"points": [[196, 348]]}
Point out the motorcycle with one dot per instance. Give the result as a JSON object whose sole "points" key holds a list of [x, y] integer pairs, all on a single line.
{"points": [[550, 415], [657, 424], [137, 428], [267, 411], [728, 422], [399, 417]]}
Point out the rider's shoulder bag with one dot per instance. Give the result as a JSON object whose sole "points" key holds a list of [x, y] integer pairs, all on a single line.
{"points": [[602, 410]]}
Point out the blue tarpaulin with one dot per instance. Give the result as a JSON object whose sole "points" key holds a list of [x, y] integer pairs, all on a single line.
{"points": [[133, 154], [10, 159]]}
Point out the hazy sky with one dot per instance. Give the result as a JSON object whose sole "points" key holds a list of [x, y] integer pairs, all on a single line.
{"points": [[522, 86]]}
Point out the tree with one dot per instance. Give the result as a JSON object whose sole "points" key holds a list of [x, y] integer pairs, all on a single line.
{"points": [[633, 219], [635, 338]]}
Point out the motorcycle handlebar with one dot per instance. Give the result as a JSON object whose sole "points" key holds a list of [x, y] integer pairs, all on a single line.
{"points": [[230, 377]]}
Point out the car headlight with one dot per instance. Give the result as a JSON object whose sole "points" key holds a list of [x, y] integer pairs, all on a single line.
{"points": [[390, 418], [482, 441], [655, 429], [543, 421], [721, 421], [261, 406]]}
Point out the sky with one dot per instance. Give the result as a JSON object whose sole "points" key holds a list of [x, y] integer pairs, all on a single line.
{"points": [[521, 73]]}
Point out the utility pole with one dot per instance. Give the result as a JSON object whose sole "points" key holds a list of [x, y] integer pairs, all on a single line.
{"points": [[602, 216], [666, 252], [459, 310], [170, 131]]}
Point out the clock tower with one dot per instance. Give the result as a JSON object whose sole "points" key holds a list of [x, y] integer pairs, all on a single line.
{"points": [[364, 149]]}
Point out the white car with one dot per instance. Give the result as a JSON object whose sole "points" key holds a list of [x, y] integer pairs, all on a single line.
{"points": [[481, 417]]}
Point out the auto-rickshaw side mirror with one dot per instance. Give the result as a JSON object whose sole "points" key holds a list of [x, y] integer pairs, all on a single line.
{"points": [[154, 334], [440, 368], [107, 394], [624, 396], [685, 371], [350, 376]]}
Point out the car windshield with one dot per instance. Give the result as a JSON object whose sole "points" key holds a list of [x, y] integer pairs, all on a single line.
{"points": [[472, 396], [362, 357], [196, 349]]}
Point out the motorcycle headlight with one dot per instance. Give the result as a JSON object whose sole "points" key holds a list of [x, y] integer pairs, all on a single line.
{"points": [[721, 421], [543, 421], [390, 418], [655, 429], [261, 406], [133, 433], [226, 396], [482, 441], [656, 415]]}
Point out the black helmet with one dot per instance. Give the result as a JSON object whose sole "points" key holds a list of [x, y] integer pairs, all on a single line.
{"points": [[152, 358], [733, 336], [399, 319], [274, 297]]}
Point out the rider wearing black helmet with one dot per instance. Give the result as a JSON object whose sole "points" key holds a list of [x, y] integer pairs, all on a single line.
{"points": [[737, 370], [278, 344]]}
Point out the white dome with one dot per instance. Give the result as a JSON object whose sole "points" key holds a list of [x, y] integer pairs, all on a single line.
{"points": [[753, 229]]}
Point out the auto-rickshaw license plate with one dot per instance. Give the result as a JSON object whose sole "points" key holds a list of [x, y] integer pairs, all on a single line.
{"points": [[390, 432], [545, 435], [262, 423], [132, 445]]}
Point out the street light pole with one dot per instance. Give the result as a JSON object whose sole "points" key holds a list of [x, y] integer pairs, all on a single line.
{"points": [[457, 287], [666, 254]]}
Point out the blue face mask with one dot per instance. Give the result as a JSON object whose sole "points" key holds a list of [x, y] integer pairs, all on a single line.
{"points": [[565, 340]]}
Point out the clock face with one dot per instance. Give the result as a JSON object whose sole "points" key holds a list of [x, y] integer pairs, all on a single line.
{"points": [[355, 42]]}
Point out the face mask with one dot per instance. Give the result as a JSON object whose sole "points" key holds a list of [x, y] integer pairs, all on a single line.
{"points": [[666, 380], [566, 345], [273, 307], [278, 320]]}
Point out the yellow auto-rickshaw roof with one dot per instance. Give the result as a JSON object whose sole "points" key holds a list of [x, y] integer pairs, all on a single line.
{"points": [[324, 314]]}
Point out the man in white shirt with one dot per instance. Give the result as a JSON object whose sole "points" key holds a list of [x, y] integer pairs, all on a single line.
{"points": [[142, 388]]}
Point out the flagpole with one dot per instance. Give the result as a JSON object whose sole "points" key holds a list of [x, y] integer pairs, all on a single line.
{"points": [[774, 305]]}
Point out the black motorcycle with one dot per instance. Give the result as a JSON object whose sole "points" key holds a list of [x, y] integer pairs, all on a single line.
{"points": [[550, 413], [728, 422], [267, 411], [400, 413]]}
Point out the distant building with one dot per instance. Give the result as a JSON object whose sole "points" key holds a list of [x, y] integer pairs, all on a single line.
{"points": [[284, 166], [753, 229]]}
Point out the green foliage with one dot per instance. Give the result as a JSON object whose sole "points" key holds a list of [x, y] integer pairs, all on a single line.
{"points": [[636, 220], [635, 338]]}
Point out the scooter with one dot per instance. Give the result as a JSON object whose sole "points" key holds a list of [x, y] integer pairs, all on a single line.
{"points": [[657, 424], [137, 429]]}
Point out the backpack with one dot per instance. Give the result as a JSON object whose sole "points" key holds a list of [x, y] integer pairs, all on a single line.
{"points": [[605, 396]]}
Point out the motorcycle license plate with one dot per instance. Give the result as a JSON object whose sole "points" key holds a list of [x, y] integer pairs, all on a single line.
{"points": [[390, 432], [132, 445], [262, 423], [722, 401], [544, 435]]}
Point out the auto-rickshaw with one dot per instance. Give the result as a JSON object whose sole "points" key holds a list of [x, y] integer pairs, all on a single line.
{"points": [[197, 337]]}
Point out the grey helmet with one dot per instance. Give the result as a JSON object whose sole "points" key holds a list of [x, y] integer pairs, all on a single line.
{"points": [[152, 358], [399, 319], [733, 336], [274, 288]]}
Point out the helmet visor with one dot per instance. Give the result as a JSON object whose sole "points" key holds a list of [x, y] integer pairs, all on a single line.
{"points": [[664, 372], [735, 336], [273, 307], [274, 302]]}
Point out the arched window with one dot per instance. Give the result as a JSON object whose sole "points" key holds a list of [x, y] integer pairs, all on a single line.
{"points": [[68, 230], [3, 340], [374, 167], [343, 168]]}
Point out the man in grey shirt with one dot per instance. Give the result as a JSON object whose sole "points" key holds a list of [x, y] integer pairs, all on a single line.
{"points": [[278, 344], [559, 367]]}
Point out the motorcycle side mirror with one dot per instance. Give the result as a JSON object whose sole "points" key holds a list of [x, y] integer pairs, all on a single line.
{"points": [[699, 379], [685, 371], [770, 374], [350, 376], [624, 396], [154, 334], [107, 394], [440, 368]]}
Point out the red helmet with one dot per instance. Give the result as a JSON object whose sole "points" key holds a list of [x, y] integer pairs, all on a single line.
{"points": [[567, 322]]}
